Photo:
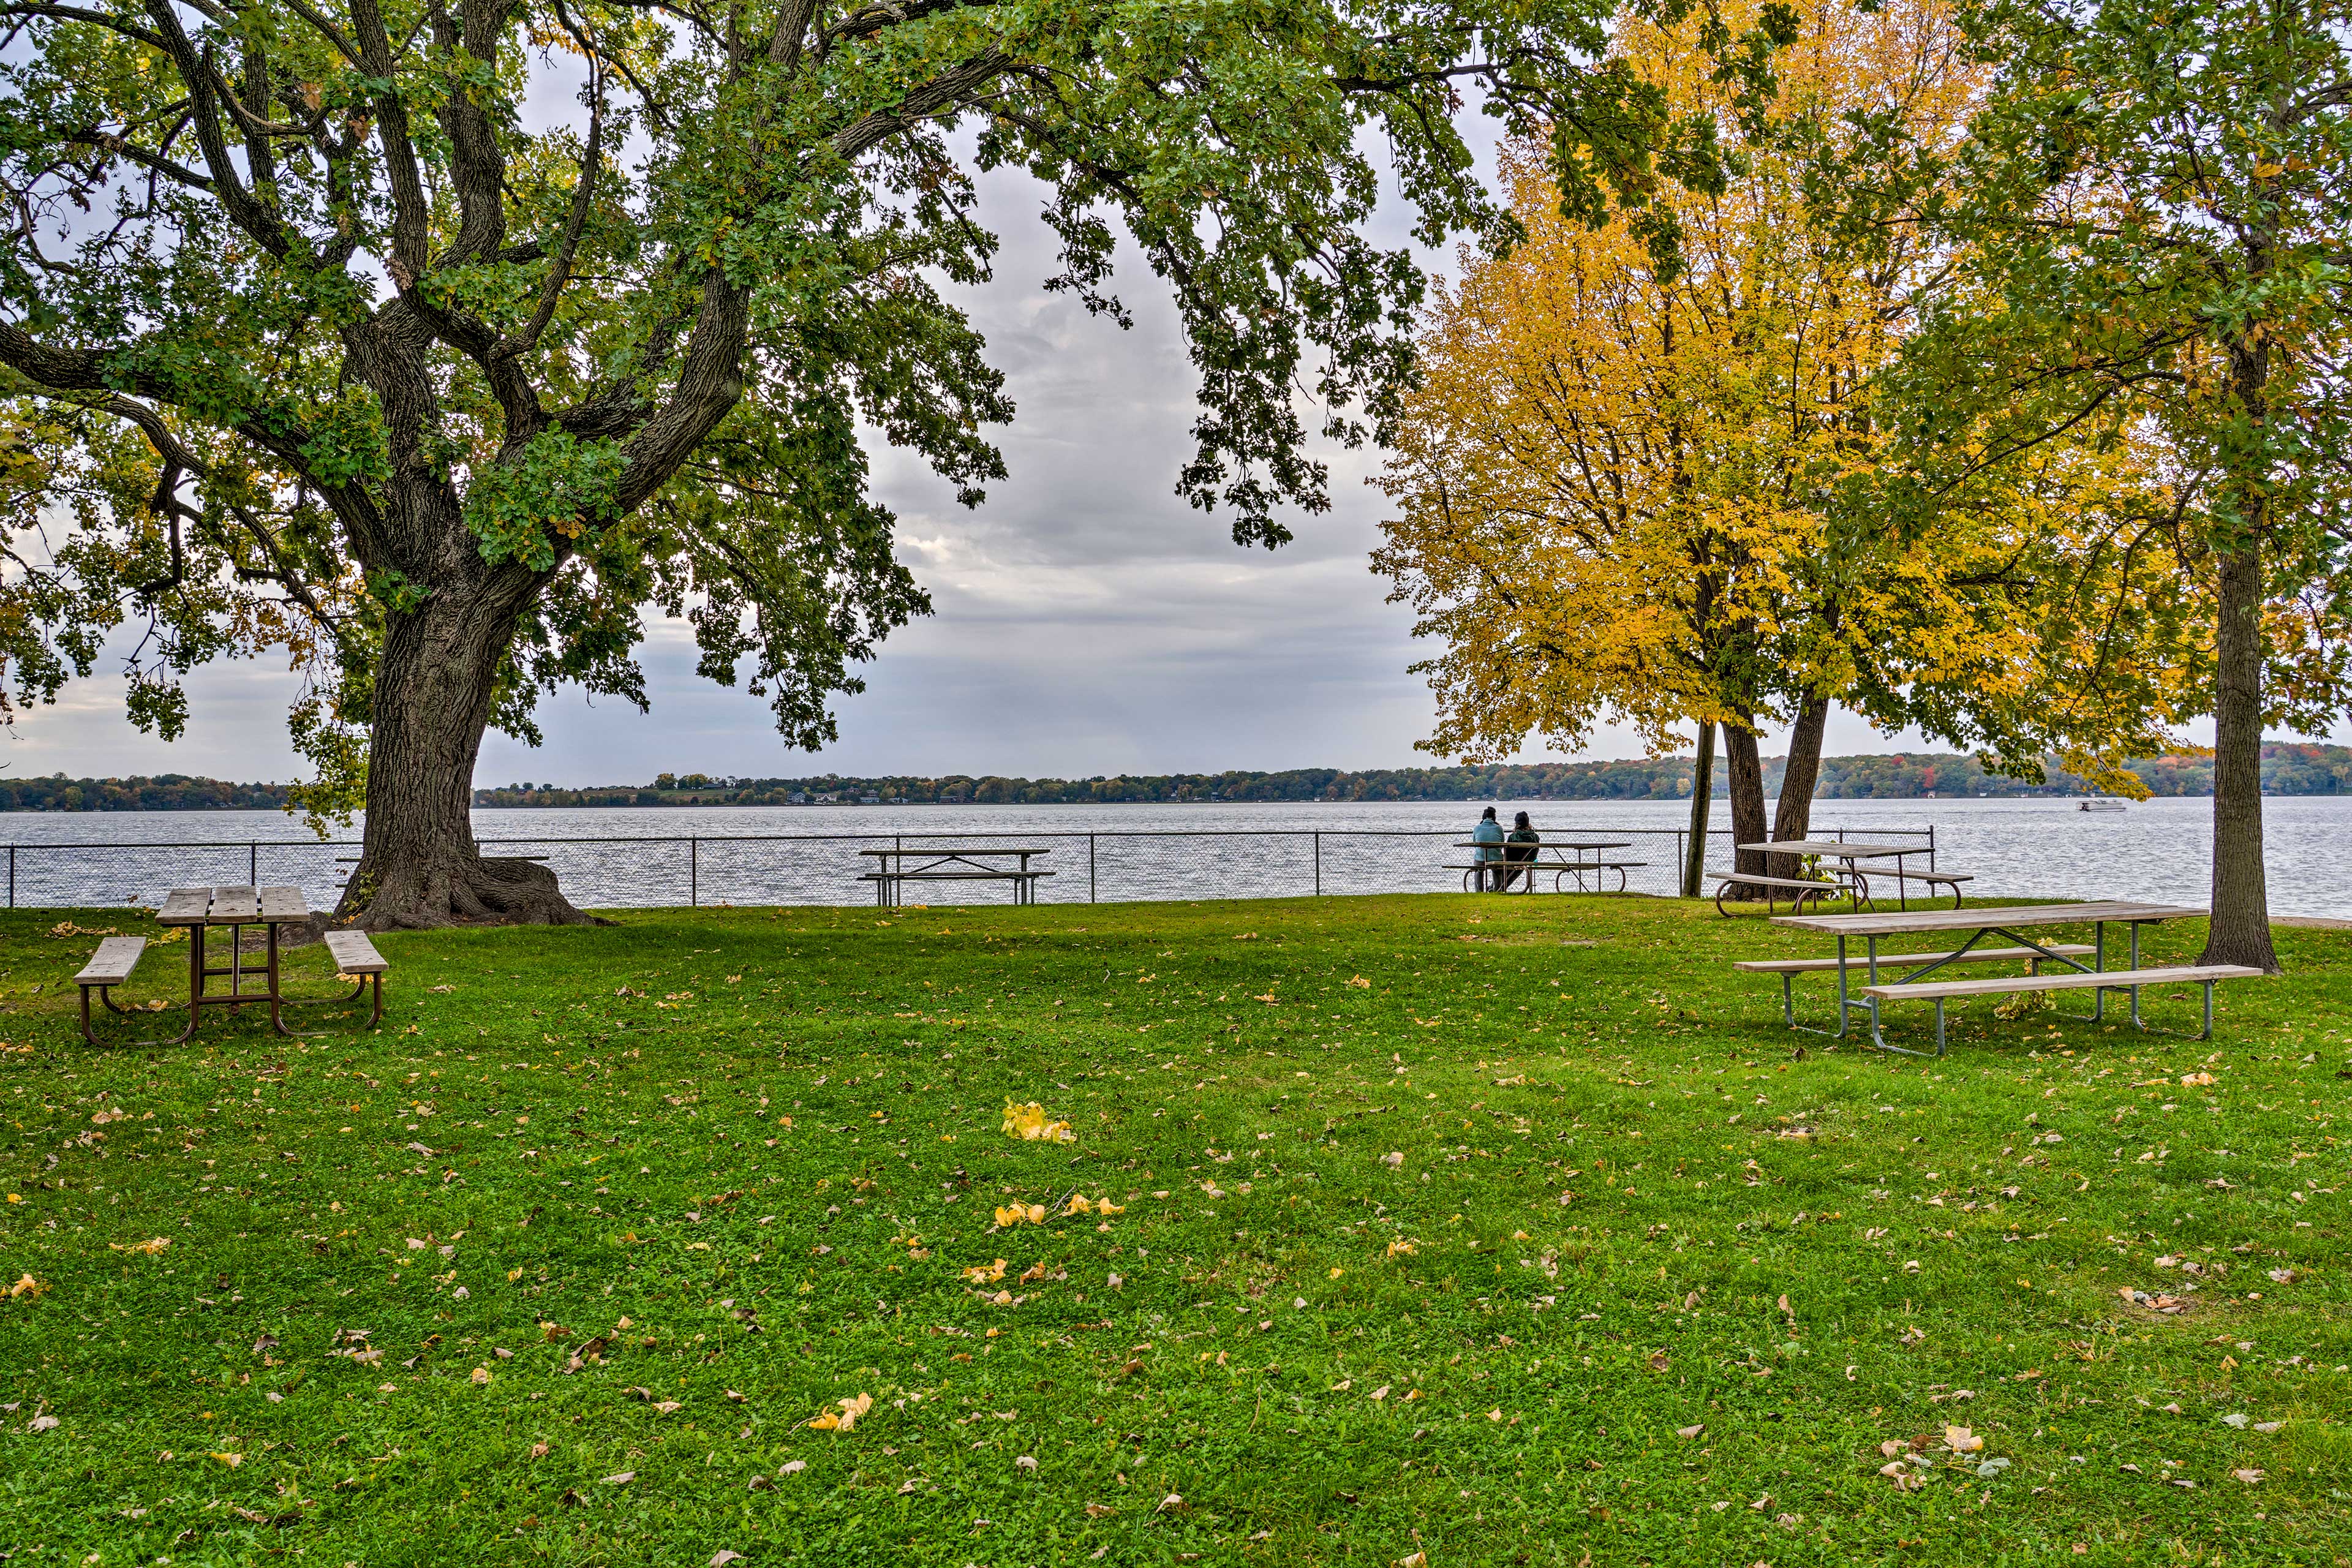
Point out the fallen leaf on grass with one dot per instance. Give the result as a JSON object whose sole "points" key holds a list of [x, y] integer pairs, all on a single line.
{"points": [[26, 1288], [1686, 1433], [2249, 1476], [621, 1477], [41, 1424], [148, 1248], [539, 1450], [231, 1460], [1099, 1511], [1021, 1213], [792, 1466], [1029, 1123], [720, 1560], [846, 1420], [1960, 1440]]}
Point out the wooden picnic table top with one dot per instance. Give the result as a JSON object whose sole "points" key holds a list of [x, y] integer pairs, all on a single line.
{"points": [[959, 849], [1545, 844], [1835, 849], [232, 906], [1987, 918]]}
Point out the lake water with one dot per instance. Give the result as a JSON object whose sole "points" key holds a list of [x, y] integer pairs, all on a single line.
{"points": [[2155, 851]]}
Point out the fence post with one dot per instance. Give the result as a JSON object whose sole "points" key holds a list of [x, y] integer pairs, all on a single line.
{"points": [[1684, 880], [253, 862], [694, 873], [1319, 865], [12, 875], [1090, 868], [1931, 846]]}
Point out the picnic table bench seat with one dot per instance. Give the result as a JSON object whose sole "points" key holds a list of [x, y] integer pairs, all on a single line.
{"points": [[1940, 990], [355, 953], [356, 959], [1804, 888], [1558, 868], [952, 875], [1788, 969], [109, 967]]}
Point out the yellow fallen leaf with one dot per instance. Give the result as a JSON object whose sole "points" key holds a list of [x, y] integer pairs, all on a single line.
{"points": [[1028, 1123], [482, 1376], [851, 1409], [1080, 1204], [1021, 1213], [1401, 1247], [148, 1247], [985, 1273], [231, 1460], [26, 1288], [1960, 1440]]}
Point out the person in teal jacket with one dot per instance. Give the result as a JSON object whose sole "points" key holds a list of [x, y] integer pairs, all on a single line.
{"points": [[1488, 838]]}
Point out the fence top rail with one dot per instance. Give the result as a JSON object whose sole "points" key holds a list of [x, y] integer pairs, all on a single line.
{"points": [[65, 845]]}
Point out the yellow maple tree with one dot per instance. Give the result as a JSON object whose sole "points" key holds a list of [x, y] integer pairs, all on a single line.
{"points": [[1645, 495]]}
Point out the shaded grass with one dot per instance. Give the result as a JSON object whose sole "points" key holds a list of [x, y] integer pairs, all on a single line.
{"points": [[755, 1153]]}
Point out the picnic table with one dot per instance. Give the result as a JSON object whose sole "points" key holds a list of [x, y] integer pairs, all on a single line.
{"points": [[895, 867], [203, 911], [1857, 879], [1578, 866], [1910, 969]]}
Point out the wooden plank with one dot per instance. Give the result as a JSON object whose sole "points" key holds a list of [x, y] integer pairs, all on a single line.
{"points": [[355, 953], [185, 907], [1924, 921], [284, 904], [2110, 979], [1896, 960], [915, 851], [1833, 849], [231, 904], [1761, 882], [111, 964]]}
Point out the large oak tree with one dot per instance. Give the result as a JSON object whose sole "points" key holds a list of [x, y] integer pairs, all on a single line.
{"points": [[430, 340]]}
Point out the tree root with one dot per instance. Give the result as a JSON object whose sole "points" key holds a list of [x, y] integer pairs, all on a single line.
{"points": [[462, 890]]}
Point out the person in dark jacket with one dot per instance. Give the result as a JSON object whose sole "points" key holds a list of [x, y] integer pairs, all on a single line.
{"points": [[1519, 852]]}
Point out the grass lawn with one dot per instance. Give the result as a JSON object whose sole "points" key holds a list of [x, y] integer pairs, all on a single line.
{"points": [[1496, 1231]]}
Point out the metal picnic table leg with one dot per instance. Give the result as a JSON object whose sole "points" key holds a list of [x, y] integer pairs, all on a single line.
{"points": [[2135, 990], [2099, 994], [276, 1022]]}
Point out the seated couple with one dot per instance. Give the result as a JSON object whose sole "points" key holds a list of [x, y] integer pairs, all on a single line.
{"points": [[1503, 858]]}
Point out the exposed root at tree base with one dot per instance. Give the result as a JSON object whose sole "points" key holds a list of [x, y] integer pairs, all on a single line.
{"points": [[476, 890]]}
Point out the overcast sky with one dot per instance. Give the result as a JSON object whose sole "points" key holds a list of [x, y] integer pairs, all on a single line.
{"points": [[1086, 621]]}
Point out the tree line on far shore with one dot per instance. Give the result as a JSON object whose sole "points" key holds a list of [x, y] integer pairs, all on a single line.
{"points": [[2287, 769]]}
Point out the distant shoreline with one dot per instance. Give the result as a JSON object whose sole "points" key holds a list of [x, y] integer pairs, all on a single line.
{"points": [[2289, 768]]}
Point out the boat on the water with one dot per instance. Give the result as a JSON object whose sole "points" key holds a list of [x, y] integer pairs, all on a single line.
{"points": [[2101, 803]]}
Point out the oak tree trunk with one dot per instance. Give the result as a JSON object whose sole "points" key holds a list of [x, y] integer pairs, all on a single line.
{"points": [[1702, 795], [1793, 817], [1747, 774], [419, 866], [2240, 931]]}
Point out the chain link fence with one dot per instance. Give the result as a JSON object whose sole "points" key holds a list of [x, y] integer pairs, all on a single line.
{"points": [[1119, 866]]}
